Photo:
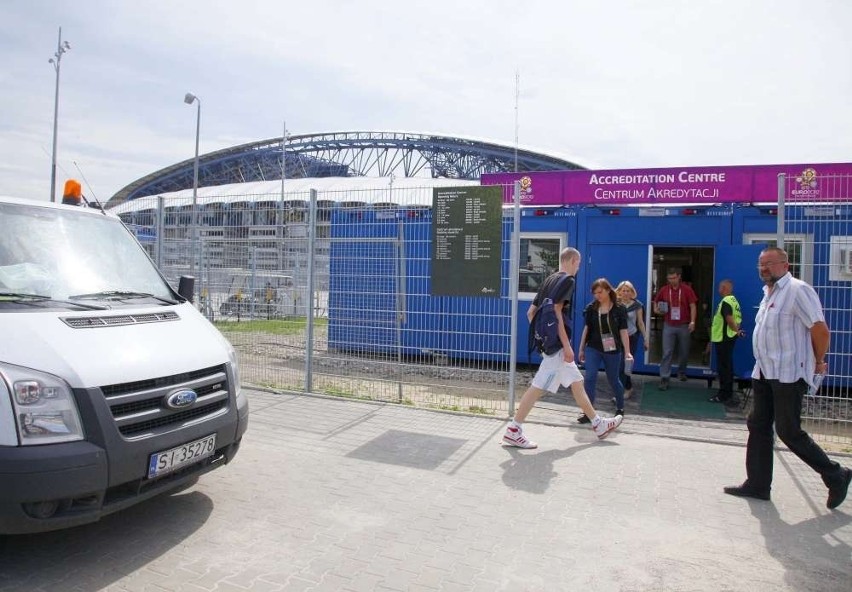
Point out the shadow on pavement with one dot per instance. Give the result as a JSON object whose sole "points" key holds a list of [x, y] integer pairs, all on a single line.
{"points": [[104, 552], [532, 471], [827, 565], [408, 449]]}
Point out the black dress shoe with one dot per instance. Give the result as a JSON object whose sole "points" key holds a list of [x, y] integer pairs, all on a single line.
{"points": [[745, 491], [583, 419], [837, 494], [619, 412]]}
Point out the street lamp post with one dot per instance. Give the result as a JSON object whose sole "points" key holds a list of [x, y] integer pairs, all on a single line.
{"points": [[56, 60], [190, 98]]}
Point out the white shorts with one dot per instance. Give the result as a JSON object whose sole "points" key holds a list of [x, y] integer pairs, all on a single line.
{"points": [[553, 371]]}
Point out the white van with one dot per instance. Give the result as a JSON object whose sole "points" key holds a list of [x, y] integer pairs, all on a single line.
{"points": [[113, 388]]}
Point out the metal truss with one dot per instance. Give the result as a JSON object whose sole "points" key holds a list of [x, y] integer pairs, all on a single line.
{"points": [[345, 154]]}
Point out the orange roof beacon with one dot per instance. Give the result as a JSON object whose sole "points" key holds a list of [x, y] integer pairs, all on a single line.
{"points": [[73, 193]]}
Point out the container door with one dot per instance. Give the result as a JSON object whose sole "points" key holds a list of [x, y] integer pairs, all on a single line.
{"points": [[738, 263]]}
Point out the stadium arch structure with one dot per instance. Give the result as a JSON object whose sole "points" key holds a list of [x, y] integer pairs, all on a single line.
{"points": [[344, 154]]}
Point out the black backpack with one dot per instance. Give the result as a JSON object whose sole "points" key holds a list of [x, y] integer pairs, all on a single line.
{"points": [[544, 330]]}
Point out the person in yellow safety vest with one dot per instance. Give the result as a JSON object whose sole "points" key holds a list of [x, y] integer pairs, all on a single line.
{"points": [[723, 334]]}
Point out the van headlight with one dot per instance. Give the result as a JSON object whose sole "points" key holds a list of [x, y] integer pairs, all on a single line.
{"points": [[235, 369], [45, 409]]}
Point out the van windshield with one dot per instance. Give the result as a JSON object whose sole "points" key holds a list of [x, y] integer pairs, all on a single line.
{"points": [[60, 253]]}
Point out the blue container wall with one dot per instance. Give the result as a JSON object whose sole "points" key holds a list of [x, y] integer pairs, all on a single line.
{"points": [[749, 220], [362, 283], [835, 295], [471, 327], [753, 220], [363, 286], [363, 280]]}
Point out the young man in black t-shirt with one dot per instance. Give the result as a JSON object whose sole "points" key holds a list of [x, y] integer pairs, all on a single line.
{"points": [[559, 368]]}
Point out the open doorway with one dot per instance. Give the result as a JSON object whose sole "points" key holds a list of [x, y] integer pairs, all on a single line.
{"points": [[696, 265]]}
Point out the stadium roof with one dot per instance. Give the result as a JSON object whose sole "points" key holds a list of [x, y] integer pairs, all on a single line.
{"points": [[410, 191], [344, 154]]}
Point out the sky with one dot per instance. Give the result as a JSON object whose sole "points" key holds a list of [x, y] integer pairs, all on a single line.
{"points": [[606, 84]]}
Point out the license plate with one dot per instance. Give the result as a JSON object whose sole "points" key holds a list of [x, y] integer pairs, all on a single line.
{"points": [[167, 461]]}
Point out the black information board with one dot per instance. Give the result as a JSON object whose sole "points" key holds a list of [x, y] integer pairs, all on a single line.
{"points": [[466, 241]]}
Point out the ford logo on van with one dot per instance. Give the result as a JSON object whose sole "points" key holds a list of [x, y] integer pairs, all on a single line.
{"points": [[180, 399]]}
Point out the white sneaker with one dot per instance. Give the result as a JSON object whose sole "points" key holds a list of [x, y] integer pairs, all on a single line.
{"points": [[514, 436], [607, 425]]}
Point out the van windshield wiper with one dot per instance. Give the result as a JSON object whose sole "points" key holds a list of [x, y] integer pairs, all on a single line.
{"points": [[23, 296], [120, 295], [26, 298]]}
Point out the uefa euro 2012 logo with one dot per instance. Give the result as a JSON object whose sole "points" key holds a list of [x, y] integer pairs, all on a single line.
{"points": [[807, 180], [526, 188]]}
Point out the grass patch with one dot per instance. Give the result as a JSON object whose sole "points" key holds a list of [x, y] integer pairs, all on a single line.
{"points": [[480, 410], [278, 386], [271, 326], [338, 392], [443, 407], [471, 409]]}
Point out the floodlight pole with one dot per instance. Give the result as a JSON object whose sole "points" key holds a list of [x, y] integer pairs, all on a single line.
{"points": [[56, 60], [517, 96], [189, 98]]}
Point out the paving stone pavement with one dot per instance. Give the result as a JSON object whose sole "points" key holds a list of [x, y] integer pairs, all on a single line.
{"points": [[329, 494]]}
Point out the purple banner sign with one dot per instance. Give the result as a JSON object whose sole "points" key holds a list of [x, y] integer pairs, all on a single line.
{"points": [[685, 185]]}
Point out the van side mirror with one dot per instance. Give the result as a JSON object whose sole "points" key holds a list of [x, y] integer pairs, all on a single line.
{"points": [[186, 287]]}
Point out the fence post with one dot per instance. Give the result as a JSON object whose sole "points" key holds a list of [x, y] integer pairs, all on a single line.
{"points": [[400, 302], [514, 265], [161, 209], [310, 308]]}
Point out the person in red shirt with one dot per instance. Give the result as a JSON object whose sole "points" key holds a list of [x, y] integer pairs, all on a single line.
{"points": [[677, 302]]}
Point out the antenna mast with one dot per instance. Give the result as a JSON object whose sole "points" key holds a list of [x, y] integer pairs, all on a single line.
{"points": [[517, 95]]}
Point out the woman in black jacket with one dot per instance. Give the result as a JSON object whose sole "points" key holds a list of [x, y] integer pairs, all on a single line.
{"points": [[605, 341]]}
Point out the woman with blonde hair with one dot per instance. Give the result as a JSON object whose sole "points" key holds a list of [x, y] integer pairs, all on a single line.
{"points": [[635, 327]]}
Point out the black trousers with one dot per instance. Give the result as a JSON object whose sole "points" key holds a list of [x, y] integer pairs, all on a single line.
{"points": [[725, 367], [781, 403]]}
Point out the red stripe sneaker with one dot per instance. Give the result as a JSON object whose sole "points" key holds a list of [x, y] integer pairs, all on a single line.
{"points": [[607, 425], [514, 436]]}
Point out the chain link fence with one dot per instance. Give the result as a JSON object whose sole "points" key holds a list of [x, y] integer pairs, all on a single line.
{"points": [[267, 281], [343, 306], [815, 228]]}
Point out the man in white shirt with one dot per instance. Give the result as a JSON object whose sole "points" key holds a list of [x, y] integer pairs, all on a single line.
{"points": [[790, 341]]}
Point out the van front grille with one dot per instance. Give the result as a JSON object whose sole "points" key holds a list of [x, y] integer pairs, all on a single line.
{"points": [[139, 408], [175, 418]]}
